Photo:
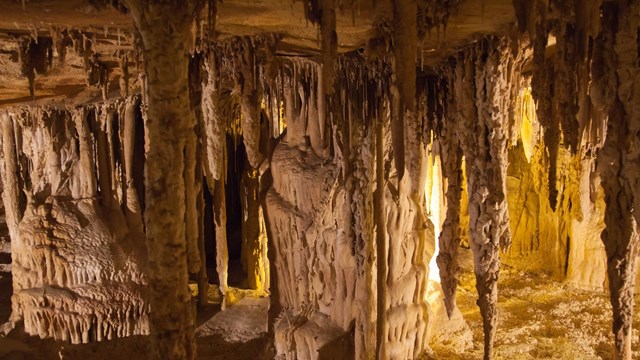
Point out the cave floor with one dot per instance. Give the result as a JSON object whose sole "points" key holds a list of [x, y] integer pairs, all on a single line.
{"points": [[539, 318]]}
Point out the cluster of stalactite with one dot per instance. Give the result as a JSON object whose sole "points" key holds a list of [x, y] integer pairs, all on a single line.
{"points": [[328, 231], [477, 124], [37, 52], [336, 152], [328, 190], [233, 74], [596, 44], [74, 216]]}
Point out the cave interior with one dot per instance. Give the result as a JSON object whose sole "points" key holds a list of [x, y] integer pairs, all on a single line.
{"points": [[319, 179]]}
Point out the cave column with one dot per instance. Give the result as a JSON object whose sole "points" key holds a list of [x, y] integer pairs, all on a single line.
{"points": [[11, 193], [214, 165], [166, 33], [616, 77]]}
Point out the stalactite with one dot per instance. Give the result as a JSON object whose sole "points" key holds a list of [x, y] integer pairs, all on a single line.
{"points": [[71, 266], [615, 86], [214, 124], [192, 192], [566, 85], [249, 103], [405, 44], [543, 90], [165, 31], [87, 187], [34, 56], [97, 73], [329, 44], [486, 124], [133, 210], [380, 233], [105, 168], [124, 77], [450, 236]]}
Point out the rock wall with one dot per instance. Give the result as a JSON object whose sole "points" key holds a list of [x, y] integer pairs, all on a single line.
{"points": [[79, 265]]}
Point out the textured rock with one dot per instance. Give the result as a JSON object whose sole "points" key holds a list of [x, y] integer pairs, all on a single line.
{"points": [[78, 267]]}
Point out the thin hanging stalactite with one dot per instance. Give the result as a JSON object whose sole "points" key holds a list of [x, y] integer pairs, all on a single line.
{"points": [[449, 238], [482, 92], [133, 210]]}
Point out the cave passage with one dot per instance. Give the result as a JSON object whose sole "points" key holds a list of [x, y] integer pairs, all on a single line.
{"points": [[320, 179]]}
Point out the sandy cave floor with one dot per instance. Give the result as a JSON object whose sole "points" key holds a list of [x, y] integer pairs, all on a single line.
{"points": [[539, 319]]}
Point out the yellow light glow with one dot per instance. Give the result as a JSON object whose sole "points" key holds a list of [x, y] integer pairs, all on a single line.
{"points": [[527, 121], [262, 268], [434, 200]]}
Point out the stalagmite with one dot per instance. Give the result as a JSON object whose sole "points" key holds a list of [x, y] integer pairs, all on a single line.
{"points": [[165, 30], [220, 222], [251, 242], [380, 233], [203, 278]]}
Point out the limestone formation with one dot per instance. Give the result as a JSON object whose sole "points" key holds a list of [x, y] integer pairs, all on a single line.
{"points": [[329, 179], [79, 269]]}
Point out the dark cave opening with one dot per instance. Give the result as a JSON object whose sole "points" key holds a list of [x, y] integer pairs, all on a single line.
{"points": [[236, 160]]}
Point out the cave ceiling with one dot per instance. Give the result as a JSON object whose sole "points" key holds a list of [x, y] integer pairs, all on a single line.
{"points": [[110, 31]]}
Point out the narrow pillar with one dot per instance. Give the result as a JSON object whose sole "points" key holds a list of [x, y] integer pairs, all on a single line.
{"points": [[203, 278], [615, 80], [381, 239], [11, 195], [166, 33], [214, 165]]}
